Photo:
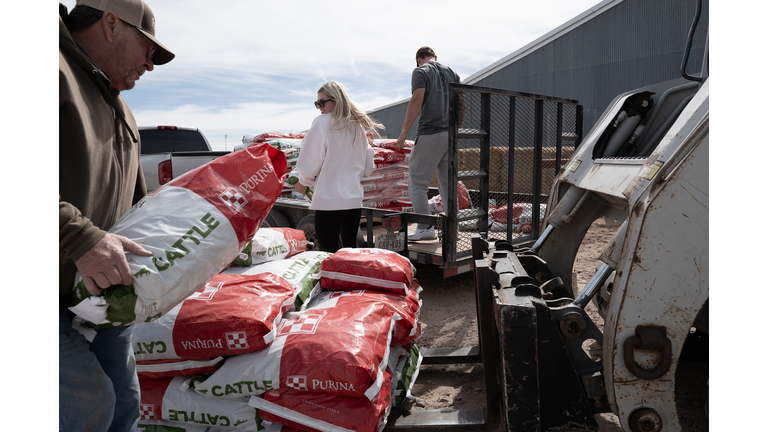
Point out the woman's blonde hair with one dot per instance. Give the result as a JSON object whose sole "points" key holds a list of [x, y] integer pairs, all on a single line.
{"points": [[345, 110]]}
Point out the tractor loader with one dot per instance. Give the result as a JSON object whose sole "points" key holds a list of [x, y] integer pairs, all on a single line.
{"points": [[645, 164]]}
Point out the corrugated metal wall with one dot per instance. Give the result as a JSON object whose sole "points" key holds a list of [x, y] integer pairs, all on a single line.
{"points": [[631, 45], [392, 118]]}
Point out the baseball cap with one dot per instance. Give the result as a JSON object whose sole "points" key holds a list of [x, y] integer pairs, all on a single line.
{"points": [[137, 14], [425, 50]]}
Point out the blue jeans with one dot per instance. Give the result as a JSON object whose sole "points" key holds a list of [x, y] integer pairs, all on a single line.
{"points": [[98, 387]]}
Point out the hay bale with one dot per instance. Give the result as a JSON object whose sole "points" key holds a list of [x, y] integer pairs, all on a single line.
{"points": [[469, 159]]}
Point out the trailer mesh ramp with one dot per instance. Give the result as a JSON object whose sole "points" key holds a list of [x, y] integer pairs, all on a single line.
{"points": [[509, 147]]}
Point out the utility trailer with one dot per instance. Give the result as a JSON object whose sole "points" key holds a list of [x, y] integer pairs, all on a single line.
{"points": [[509, 141]]}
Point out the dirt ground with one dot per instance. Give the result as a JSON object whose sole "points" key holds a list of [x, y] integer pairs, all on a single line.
{"points": [[449, 319]]}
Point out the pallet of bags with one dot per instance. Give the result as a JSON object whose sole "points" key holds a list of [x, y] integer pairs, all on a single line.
{"points": [[271, 244], [195, 226], [169, 400], [320, 362], [388, 182], [232, 314]]}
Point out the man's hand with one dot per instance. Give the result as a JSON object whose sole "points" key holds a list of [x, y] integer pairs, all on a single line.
{"points": [[401, 140], [300, 188], [104, 264], [411, 113]]}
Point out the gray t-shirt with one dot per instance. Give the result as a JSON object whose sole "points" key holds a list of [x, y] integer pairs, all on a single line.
{"points": [[434, 78]]}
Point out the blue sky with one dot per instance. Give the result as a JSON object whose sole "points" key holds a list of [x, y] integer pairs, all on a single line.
{"points": [[246, 67]]}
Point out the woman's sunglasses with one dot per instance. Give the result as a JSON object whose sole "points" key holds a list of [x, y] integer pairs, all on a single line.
{"points": [[321, 103]]}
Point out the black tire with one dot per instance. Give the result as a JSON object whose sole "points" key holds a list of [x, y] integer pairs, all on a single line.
{"points": [[275, 219], [307, 224]]}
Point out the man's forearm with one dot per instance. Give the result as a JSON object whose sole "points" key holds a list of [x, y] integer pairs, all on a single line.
{"points": [[410, 116], [414, 108]]}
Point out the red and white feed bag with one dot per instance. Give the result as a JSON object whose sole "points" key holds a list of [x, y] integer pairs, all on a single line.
{"points": [[366, 268], [194, 226], [232, 314], [313, 411], [407, 329], [270, 244], [299, 270], [171, 401]]}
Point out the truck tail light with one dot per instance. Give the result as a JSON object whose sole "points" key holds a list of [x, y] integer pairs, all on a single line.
{"points": [[164, 172]]}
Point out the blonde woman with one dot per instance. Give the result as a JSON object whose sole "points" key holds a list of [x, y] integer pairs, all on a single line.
{"points": [[335, 156]]}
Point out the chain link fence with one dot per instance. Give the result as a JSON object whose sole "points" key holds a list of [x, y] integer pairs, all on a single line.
{"points": [[509, 147]]}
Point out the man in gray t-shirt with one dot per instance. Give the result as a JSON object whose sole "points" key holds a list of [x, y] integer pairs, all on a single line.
{"points": [[429, 102]]}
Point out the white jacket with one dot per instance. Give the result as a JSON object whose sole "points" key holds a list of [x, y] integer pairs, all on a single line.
{"points": [[333, 162]]}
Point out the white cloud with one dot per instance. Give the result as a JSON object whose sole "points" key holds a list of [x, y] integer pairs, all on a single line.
{"points": [[246, 67]]}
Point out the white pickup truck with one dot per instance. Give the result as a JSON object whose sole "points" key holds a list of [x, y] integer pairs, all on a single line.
{"points": [[170, 151]]}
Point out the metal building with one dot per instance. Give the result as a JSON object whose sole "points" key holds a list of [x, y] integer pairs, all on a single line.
{"points": [[614, 47]]}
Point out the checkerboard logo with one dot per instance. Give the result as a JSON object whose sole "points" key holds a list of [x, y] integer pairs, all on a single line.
{"points": [[207, 292], [296, 382], [147, 411], [233, 199], [306, 324], [236, 340]]}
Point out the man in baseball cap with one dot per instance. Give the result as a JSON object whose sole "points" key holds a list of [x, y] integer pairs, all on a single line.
{"points": [[105, 46], [137, 14], [425, 52]]}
